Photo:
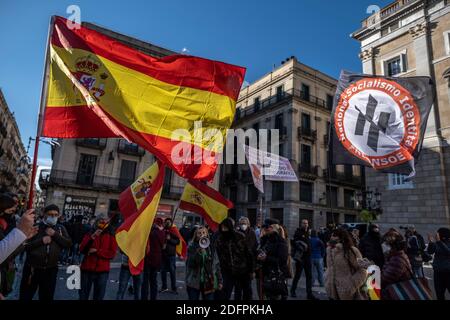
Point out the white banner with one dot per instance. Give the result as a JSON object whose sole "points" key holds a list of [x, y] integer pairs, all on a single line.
{"points": [[255, 168]]}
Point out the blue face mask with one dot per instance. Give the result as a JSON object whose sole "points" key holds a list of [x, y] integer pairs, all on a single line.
{"points": [[51, 221]]}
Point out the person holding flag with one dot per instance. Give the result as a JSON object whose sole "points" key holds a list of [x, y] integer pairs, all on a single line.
{"points": [[172, 240]]}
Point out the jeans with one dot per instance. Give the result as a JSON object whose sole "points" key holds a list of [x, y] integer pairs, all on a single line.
{"points": [[418, 271], [169, 265], [150, 279], [34, 279], [98, 279], [317, 265], [441, 284], [299, 267], [194, 294], [124, 277], [75, 254]]}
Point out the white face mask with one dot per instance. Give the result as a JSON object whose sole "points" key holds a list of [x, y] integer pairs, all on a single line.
{"points": [[244, 227], [51, 221], [386, 248]]}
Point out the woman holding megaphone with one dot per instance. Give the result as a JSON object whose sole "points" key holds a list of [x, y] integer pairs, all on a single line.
{"points": [[203, 275]]}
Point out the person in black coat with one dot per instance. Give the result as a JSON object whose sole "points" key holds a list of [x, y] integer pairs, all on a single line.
{"points": [[370, 246], [272, 258], [302, 243], [169, 256], [440, 247]]}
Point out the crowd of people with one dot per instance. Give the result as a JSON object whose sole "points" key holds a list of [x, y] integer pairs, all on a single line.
{"points": [[222, 265]]}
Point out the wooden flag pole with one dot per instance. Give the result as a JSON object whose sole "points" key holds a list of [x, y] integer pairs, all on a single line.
{"points": [[44, 92]]}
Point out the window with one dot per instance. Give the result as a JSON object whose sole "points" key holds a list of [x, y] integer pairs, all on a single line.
{"points": [[348, 172], [398, 181], [332, 218], [277, 190], [252, 193], [280, 93], [281, 149], [305, 92], [396, 65], [233, 194], [305, 157], [113, 205], [349, 199], [308, 215], [330, 99], [86, 169], [306, 124], [349, 218], [127, 173], [279, 122], [447, 42], [277, 213], [257, 103], [332, 196], [306, 191]]}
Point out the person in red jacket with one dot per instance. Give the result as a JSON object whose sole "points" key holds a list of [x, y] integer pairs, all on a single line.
{"points": [[99, 247]]}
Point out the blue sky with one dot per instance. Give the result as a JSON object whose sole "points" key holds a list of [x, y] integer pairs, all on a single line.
{"points": [[254, 34]]}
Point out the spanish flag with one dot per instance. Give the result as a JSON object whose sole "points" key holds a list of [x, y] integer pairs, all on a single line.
{"points": [[210, 204], [98, 87], [182, 246], [132, 236], [132, 198]]}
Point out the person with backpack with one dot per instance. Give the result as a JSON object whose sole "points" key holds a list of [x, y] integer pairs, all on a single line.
{"points": [[414, 250], [440, 247]]}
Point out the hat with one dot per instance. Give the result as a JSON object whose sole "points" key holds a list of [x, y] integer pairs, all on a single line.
{"points": [[269, 222]]}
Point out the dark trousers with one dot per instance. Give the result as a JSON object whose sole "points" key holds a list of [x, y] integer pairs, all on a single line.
{"points": [[150, 279], [96, 279], [242, 286], [34, 279], [299, 267], [124, 278], [441, 284], [194, 294], [169, 265]]}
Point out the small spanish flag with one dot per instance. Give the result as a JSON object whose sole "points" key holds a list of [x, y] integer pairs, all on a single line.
{"points": [[210, 204], [132, 236], [100, 88], [182, 246]]}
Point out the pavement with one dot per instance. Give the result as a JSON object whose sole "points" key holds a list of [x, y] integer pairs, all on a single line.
{"points": [[63, 293]]}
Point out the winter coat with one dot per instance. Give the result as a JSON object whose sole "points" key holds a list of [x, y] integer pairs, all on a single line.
{"points": [[441, 251], [344, 276], [252, 243], [370, 248], [170, 249], [277, 252], [98, 261], [234, 255], [153, 257], [302, 235], [317, 248], [209, 263], [40, 255], [396, 269], [77, 231]]}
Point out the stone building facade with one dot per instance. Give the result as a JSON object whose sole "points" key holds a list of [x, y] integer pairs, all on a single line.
{"points": [[88, 175], [297, 100], [14, 162], [412, 38]]}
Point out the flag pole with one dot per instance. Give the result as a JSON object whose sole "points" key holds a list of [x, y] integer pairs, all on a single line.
{"points": [[44, 92]]}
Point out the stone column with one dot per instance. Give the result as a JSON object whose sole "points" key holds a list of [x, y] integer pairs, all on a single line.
{"points": [[367, 57]]}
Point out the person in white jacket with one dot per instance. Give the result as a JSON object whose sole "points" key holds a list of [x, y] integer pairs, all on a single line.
{"points": [[25, 229]]}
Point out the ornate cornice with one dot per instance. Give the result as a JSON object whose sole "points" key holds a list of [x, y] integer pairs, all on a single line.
{"points": [[418, 30]]}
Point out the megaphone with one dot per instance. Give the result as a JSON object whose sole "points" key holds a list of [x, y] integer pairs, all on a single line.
{"points": [[204, 242]]}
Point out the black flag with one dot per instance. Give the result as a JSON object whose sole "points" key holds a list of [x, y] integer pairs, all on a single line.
{"points": [[379, 121]]}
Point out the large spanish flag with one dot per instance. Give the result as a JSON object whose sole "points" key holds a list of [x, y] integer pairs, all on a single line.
{"points": [[99, 87], [210, 204], [132, 236]]}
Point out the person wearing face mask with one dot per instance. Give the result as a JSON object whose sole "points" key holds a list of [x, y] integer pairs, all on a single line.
{"points": [[43, 250], [203, 276], [370, 246], [99, 247], [252, 244], [397, 267], [236, 260]]}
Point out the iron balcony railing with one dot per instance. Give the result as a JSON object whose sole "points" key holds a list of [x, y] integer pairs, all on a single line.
{"points": [[95, 143], [130, 148]]}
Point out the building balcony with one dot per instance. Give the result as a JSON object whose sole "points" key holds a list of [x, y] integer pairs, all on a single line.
{"points": [[307, 133], [132, 149], [172, 192], [342, 178], [231, 178], [94, 143], [278, 100], [246, 176], [308, 171]]}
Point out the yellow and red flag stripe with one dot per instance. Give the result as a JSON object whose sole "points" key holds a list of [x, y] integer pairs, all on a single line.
{"points": [[99, 87], [132, 236], [182, 246], [210, 204]]}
